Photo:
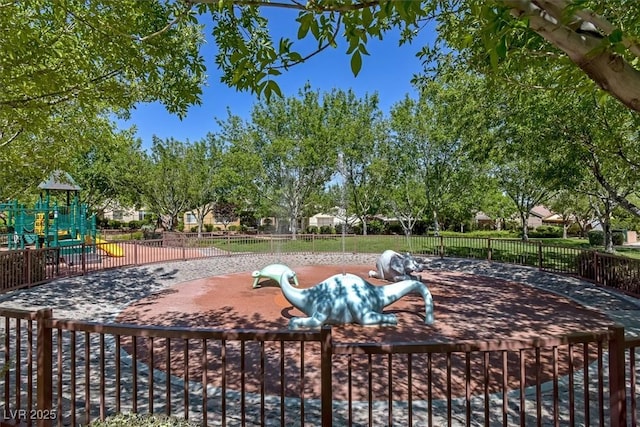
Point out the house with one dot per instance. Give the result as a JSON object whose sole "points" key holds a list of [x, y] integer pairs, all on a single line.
{"points": [[337, 218], [116, 212], [484, 222], [191, 220], [538, 216], [323, 220]]}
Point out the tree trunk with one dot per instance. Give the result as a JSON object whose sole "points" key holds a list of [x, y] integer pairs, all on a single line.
{"points": [[600, 62], [525, 231], [608, 237]]}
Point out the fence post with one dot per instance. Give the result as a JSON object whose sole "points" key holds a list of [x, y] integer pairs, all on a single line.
{"points": [[135, 253], [326, 351], [441, 246], [27, 266], [617, 385], [184, 247], [83, 258], [488, 248], [540, 255], [44, 351]]}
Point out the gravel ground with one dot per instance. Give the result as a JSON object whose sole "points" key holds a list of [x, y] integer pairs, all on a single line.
{"points": [[102, 296]]}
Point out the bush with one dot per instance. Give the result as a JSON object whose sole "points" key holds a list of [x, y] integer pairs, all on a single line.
{"points": [[312, 229], [232, 228], [546, 231], [142, 420], [327, 229], [618, 238], [135, 225], [596, 238], [375, 227], [574, 229], [395, 229], [208, 228], [114, 224]]}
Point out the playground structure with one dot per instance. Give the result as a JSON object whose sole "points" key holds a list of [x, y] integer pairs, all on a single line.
{"points": [[48, 224]]}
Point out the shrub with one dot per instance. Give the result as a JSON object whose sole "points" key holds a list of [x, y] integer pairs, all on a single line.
{"points": [[142, 420], [208, 228], [546, 231], [574, 229], [596, 238], [114, 224], [232, 228], [395, 229], [327, 229], [194, 229], [618, 238], [134, 225], [312, 229], [375, 227]]}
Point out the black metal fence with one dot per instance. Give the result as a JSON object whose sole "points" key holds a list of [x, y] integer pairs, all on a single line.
{"points": [[20, 268]]}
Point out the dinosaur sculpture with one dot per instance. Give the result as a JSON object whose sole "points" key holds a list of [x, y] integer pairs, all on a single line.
{"points": [[347, 298], [394, 267], [273, 272]]}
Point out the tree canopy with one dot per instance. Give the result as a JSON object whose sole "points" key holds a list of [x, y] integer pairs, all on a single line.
{"points": [[590, 41]]}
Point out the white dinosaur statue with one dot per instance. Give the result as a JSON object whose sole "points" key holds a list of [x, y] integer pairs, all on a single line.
{"points": [[394, 267], [347, 298], [273, 272]]}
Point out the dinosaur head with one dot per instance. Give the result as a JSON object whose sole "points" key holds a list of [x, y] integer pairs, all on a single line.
{"points": [[410, 264]]}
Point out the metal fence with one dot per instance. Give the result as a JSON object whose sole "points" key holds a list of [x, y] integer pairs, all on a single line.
{"points": [[64, 372], [77, 372], [33, 266]]}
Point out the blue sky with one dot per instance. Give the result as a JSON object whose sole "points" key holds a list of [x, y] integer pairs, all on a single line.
{"points": [[387, 70]]}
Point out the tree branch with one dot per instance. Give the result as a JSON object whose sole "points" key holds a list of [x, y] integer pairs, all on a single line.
{"points": [[317, 51], [11, 138], [311, 5], [605, 67], [64, 94]]}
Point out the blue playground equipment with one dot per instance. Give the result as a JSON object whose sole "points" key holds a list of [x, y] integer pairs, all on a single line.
{"points": [[50, 225]]}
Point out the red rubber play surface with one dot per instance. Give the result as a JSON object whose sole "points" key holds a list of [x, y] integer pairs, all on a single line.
{"points": [[466, 307]]}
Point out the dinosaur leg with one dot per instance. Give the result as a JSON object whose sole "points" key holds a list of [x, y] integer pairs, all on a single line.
{"points": [[317, 320], [306, 322], [373, 318], [400, 278]]}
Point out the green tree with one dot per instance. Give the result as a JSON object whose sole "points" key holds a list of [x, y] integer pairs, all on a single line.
{"points": [[166, 193], [432, 132], [496, 204], [110, 171], [225, 212], [357, 127], [297, 157], [67, 66], [590, 41], [204, 160]]}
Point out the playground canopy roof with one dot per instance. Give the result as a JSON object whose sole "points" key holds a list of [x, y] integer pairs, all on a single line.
{"points": [[59, 180]]}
